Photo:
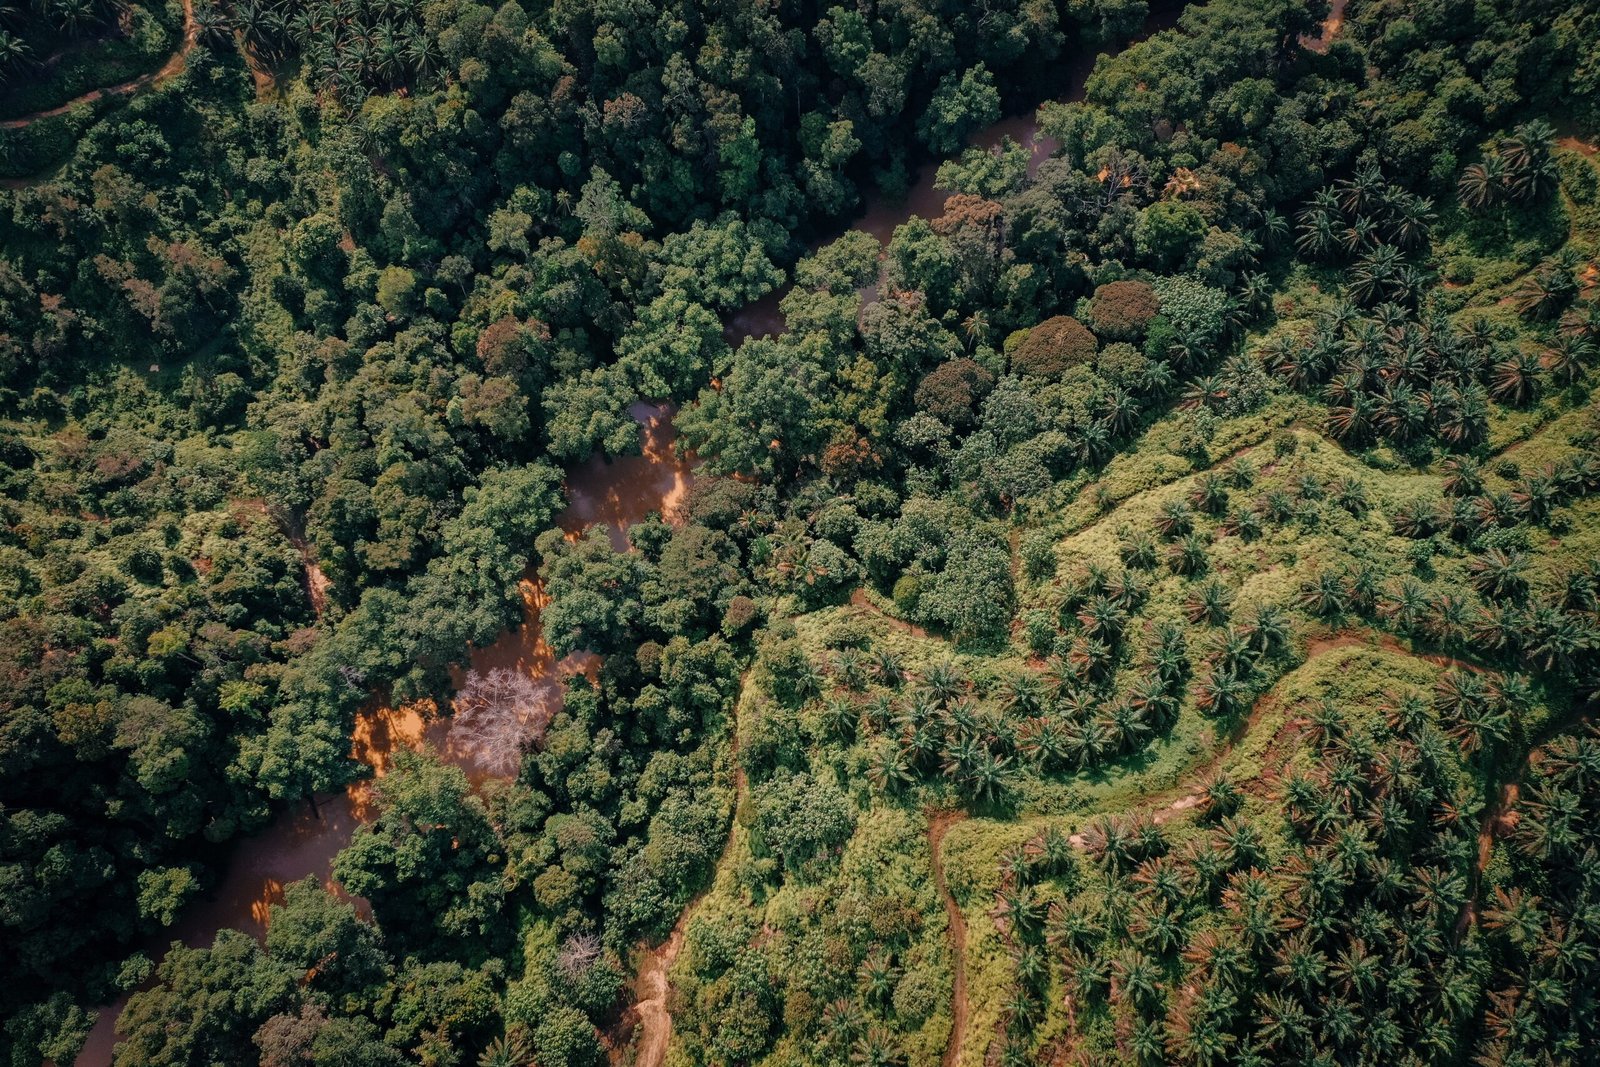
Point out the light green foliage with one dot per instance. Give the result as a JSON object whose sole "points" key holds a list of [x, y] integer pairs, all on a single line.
{"points": [[1190, 543]]}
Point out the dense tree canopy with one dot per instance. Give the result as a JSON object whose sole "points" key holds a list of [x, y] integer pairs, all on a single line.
{"points": [[314, 317]]}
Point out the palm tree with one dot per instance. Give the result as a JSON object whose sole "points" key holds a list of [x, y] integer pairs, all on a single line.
{"points": [[1554, 640], [877, 1047], [850, 669], [1319, 238], [1375, 275], [886, 669], [1274, 229], [1173, 519], [1463, 476], [1210, 493], [1138, 551], [1537, 493], [1169, 654], [1413, 518], [1277, 506], [1120, 411], [1405, 604], [1270, 630], [1208, 602], [1047, 741], [1582, 321], [1531, 171], [1482, 184], [14, 53], [1353, 422], [989, 777], [877, 975], [1566, 357], [1358, 193], [1242, 522], [842, 716], [1402, 412], [1460, 416], [1103, 619], [1515, 381], [1324, 595], [1234, 650], [843, 1021], [1545, 292], [512, 1049], [420, 50], [1412, 217], [1221, 692], [943, 682], [1481, 728], [889, 768], [1188, 556]]}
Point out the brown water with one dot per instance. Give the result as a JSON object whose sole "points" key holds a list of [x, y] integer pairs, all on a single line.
{"points": [[925, 199], [304, 841], [616, 492]]}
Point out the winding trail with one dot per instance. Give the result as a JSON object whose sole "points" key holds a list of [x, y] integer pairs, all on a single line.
{"points": [[650, 1013], [1170, 802], [960, 1008], [168, 70], [1500, 816]]}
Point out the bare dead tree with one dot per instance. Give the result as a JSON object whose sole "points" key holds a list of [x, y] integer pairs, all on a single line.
{"points": [[498, 714], [577, 954]]}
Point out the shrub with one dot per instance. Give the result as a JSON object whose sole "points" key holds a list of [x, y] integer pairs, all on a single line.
{"points": [[1054, 347], [952, 391], [907, 593], [1039, 555], [801, 816], [741, 613], [1121, 311], [1122, 363], [1197, 312]]}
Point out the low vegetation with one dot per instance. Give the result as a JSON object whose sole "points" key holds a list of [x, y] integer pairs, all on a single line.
{"points": [[1147, 613]]}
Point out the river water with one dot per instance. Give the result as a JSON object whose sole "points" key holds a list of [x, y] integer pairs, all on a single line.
{"points": [[616, 492]]}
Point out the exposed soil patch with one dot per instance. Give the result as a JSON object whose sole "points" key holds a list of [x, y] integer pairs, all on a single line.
{"points": [[960, 1009], [1330, 27]]}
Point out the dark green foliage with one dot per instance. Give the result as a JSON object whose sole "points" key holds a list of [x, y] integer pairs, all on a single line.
{"points": [[284, 383]]}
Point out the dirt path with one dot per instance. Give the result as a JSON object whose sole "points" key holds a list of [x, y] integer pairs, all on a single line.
{"points": [[650, 1016], [261, 74], [1174, 801], [312, 580], [959, 1006], [859, 599], [1588, 148], [170, 69], [1501, 816]]}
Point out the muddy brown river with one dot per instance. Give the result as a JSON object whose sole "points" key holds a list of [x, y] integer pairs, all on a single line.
{"points": [[617, 492]]}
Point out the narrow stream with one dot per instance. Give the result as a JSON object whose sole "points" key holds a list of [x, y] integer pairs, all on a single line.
{"points": [[616, 492]]}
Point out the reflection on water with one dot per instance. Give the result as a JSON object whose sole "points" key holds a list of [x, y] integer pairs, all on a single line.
{"points": [[624, 490], [616, 492], [304, 840]]}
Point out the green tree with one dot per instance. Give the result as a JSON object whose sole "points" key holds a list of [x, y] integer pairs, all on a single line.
{"points": [[960, 104], [206, 1005]]}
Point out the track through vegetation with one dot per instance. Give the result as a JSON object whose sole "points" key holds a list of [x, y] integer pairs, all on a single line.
{"points": [[938, 825], [168, 70]]}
